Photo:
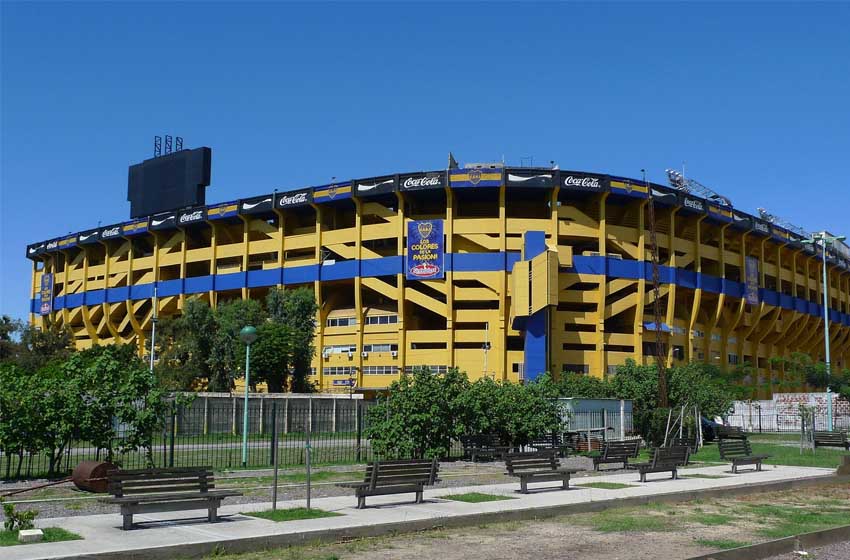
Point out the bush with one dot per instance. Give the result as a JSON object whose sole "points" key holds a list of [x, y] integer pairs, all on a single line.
{"points": [[18, 520]]}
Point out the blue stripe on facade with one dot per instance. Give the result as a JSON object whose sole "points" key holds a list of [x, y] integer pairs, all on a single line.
{"points": [[460, 262], [198, 284]]}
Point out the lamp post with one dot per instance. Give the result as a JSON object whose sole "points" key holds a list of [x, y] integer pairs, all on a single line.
{"points": [[826, 240], [248, 335]]}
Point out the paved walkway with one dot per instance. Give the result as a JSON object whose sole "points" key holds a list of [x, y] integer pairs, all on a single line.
{"points": [[103, 534]]}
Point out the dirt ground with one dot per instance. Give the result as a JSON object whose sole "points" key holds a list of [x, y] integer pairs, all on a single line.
{"points": [[654, 531]]}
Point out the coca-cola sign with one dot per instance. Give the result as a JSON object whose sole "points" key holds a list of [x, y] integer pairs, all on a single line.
{"points": [[761, 227], [583, 181], [110, 232], [419, 181], [52, 245], [298, 198], [693, 204], [191, 217]]}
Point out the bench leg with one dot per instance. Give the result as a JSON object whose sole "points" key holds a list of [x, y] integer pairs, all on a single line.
{"points": [[643, 476], [675, 474], [419, 497], [212, 514], [565, 483], [758, 466], [523, 486], [128, 521], [361, 502], [734, 468]]}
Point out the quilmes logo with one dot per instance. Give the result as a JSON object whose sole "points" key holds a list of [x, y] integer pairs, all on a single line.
{"points": [[693, 204], [364, 187], [190, 217], [292, 200], [583, 182], [420, 182], [250, 205], [111, 232]]}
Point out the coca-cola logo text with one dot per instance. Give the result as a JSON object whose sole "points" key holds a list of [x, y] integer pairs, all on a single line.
{"points": [[52, 245], [761, 227], [192, 217], [693, 204], [584, 182], [291, 200], [418, 182], [111, 232]]}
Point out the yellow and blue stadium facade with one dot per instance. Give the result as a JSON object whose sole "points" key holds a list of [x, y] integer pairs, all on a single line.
{"points": [[503, 272]]}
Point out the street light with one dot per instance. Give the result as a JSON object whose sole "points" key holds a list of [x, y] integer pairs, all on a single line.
{"points": [[248, 335], [825, 241]]}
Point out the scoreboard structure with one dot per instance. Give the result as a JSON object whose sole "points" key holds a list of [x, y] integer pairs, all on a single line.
{"points": [[501, 272]]}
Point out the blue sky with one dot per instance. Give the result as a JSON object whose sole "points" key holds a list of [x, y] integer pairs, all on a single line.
{"points": [[753, 97]]}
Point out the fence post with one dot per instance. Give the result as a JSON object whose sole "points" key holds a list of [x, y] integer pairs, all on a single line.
{"points": [[286, 415], [261, 414], [358, 426], [233, 418], [171, 435], [333, 421], [622, 419], [206, 415], [274, 436]]}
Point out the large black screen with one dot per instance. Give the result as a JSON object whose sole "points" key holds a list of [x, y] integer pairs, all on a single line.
{"points": [[173, 181]]}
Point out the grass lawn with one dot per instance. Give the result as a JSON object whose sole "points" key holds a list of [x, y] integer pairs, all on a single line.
{"points": [[51, 534], [780, 455], [475, 497], [606, 485], [722, 544], [292, 514]]}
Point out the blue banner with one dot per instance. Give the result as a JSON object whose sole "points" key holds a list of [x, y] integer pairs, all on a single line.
{"points": [[752, 280], [46, 293], [425, 250]]}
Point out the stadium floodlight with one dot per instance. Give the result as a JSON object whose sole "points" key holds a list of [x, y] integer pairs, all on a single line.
{"points": [[825, 241]]}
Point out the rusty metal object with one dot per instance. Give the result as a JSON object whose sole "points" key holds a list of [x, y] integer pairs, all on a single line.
{"points": [[90, 476]]}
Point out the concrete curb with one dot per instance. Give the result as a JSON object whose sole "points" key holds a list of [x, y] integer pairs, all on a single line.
{"points": [[251, 544], [780, 546]]}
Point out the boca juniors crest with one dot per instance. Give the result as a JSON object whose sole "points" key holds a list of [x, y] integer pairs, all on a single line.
{"points": [[425, 250]]}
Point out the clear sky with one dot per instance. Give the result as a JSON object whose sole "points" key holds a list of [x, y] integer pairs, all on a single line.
{"points": [[754, 98]]}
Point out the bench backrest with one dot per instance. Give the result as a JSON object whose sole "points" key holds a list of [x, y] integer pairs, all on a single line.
{"points": [[532, 461], [831, 437], [735, 432], [621, 449], [159, 481], [674, 455], [405, 472], [731, 448]]}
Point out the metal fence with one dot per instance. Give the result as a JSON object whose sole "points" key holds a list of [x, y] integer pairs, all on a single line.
{"points": [[760, 421], [207, 430]]}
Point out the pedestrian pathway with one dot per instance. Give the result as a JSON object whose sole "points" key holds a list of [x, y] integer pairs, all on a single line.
{"points": [[160, 533]]}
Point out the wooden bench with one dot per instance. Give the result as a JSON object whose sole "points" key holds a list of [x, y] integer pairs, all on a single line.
{"points": [[739, 452], [615, 452], [550, 442], [537, 466], [161, 490], [395, 477], [483, 445], [832, 439], [730, 432], [664, 459]]}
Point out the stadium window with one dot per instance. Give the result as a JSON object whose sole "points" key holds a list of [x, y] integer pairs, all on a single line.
{"points": [[382, 320], [575, 368], [338, 370], [678, 352], [339, 349], [380, 347], [733, 359], [380, 370], [341, 322]]}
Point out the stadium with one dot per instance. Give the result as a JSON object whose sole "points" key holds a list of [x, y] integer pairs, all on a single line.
{"points": [[500, 271]]}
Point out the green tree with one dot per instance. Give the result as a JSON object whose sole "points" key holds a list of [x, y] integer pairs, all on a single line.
{"points": [[581, 386], [184, 346], [297, 310], [39, 346], [8, 346], [420, 417], [271, 356]]}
